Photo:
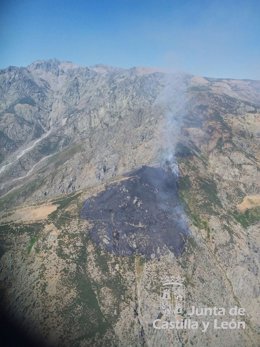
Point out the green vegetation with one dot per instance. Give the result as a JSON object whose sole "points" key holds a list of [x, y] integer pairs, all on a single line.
{"points": [[117, 286], [64, 201], [188, 155], [114, 283], [33, 239], [16, 228], [86, 294], [92, 322], [182, 150], [32, 230], [248, 218], [101, 260], [209, 189], [20, 194], [191, 244], [193, 205], [184, 183], [220, 120], [60, 250], [7, 228], [59, 217], [200, 223], [185, 192]]}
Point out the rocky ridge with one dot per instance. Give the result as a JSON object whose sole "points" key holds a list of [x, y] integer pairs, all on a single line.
{"points": [[68, 136]]}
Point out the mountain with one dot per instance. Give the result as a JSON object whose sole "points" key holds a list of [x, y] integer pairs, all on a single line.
{"points": [[115, 182]]}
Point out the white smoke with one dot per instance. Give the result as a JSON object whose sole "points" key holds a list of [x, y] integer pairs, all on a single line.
{"points": [[172, 101]]}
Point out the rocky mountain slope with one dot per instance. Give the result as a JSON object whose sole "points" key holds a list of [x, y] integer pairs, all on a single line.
{"points": [[113, 180]]}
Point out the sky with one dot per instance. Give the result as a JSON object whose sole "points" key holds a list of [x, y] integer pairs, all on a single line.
{"points": [[215, 38]]}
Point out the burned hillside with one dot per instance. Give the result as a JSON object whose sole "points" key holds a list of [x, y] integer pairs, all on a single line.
{"points": [[141, 214]]}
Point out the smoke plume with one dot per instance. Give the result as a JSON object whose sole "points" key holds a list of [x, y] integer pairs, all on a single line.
{"points": [[172, 101]]}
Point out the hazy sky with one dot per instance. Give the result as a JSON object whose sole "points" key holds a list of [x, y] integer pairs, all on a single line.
{"points": [[218, 38]]}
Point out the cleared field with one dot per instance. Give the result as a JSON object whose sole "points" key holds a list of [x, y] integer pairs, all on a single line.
{"points": [[249, 202], [29, 214]]}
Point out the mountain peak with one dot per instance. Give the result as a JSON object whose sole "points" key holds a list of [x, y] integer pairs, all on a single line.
{"points": [[52, 65]]}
